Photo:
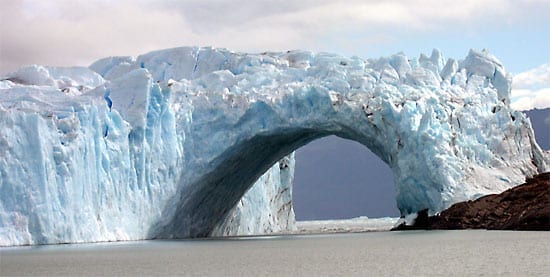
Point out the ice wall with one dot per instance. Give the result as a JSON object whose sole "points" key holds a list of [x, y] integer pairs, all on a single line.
{"points": [[266, 207], [166, 144]]}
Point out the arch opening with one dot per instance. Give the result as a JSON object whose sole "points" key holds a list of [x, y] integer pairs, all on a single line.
{"points": [[337, 178], [202, 205]]}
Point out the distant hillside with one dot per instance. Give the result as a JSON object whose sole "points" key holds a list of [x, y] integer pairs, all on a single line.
{"points": [[540, 119]]}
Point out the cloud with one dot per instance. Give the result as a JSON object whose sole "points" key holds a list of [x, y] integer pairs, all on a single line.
{"points": [[538, 76], [69, 32], [531, 89]]}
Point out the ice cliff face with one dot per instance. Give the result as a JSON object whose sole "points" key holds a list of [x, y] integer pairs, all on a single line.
{"points": [[166, 145]]}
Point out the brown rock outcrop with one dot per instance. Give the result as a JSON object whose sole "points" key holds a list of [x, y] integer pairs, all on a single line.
{"points": [[524, 207]]}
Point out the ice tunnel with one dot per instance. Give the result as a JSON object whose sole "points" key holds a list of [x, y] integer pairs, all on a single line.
{"points": [[192, 142]]}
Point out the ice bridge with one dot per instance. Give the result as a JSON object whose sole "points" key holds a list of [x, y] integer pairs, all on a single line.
{"points": [[192, 142]]}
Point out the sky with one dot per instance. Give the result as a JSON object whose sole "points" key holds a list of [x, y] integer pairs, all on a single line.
{"points": [[78, 32]]}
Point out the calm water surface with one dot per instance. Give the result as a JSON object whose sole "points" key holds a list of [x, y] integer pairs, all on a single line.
{"points": [[413, 253]]}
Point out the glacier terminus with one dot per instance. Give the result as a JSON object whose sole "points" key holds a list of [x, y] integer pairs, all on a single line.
{"points": [[199, 141]]}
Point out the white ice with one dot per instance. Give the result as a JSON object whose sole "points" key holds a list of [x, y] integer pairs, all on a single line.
{"points": [[166, 144]]}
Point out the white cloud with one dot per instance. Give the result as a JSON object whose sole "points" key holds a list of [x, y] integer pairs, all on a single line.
{"points": [[538, 99], [538, 76], [531, 89]]}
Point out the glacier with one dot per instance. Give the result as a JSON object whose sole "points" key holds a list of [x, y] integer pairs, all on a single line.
{"points": [[199, 141]]}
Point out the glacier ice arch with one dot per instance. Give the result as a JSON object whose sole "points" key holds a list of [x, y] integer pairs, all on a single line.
{"points": [[192, 142], [208, 201]]}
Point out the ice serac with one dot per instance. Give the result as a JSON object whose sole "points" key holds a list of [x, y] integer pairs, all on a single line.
{"points": [[191, 142]]}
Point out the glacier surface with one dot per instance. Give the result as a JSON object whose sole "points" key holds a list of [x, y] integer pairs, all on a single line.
{"points": [[194, 141]]}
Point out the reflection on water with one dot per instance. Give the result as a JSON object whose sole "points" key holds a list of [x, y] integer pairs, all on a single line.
{"points": [[373, 253]]}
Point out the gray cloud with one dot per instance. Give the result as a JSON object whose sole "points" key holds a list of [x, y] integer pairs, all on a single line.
{"points": [[216, 15], [68, 32]]}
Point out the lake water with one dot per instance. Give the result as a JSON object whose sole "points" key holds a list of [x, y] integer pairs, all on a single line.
{"points": [[412, 253]]}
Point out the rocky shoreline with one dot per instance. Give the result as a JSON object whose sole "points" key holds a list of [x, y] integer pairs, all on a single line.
{"points": [[524, 207]]}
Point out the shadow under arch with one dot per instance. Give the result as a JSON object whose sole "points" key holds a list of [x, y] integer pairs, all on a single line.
{"points": [[204, 204]]}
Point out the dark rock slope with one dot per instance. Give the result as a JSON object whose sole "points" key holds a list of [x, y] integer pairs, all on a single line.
{"points": [[524, 207]]}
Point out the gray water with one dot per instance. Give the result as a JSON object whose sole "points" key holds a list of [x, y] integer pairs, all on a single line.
{"points": [[413, 253]]}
